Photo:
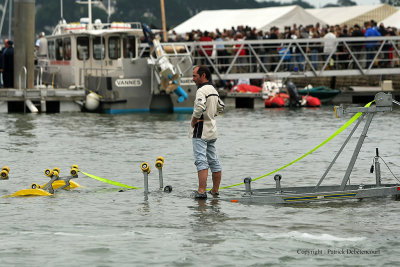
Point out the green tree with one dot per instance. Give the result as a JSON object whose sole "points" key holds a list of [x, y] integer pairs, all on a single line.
{"points": [[391, 2], [346, 3]]}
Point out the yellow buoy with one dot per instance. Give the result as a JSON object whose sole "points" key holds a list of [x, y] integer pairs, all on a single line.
{"points": [[48, 172], [74, 172], [159, 164], [59, 183], [56, 169], [160, 158], [145, 167], [4, 174], [6, 168], [34, 186], [30, 192], [75, 167]]}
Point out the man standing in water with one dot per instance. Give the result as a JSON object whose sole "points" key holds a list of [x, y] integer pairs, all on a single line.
{"points": [[207, 105]]}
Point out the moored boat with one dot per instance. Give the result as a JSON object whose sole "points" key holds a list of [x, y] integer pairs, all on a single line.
{"points": [[104, 59], [325, 94]]}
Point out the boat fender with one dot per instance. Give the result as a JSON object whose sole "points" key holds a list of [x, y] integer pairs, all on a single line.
{"points": [[168, 189], [181, 93], [92, 101]]}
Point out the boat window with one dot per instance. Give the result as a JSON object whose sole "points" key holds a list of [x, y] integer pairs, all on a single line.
{"points": [[83, 47], [114, 47], [67, 48], [59, 49], [129, 47], [51, 49], [98, 48]]}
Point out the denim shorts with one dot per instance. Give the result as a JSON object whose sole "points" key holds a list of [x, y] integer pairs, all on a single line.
{"points": [[205, 155]]}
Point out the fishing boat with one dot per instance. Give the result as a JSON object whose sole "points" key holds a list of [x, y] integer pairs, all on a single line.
{"points": [[104, 59], [339, 192]]}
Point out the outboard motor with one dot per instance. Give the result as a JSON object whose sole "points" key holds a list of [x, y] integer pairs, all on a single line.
{"points": [[294, 97]]}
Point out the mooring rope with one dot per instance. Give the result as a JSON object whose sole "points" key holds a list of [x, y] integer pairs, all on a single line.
{"points": [[104, 180]]}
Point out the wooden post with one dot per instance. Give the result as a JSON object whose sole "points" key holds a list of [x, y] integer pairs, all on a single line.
{"points": [[24, 41], [163, 21]]}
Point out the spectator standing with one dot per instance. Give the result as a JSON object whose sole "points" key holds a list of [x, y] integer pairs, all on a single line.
{"points": [[357, 46], [315, 49], [207, 48], [330, 46], [304, 46], [371, 46], [221, 53], [273, 49], [8, 65]]}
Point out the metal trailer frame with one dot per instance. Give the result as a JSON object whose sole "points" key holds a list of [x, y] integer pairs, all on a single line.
{"points": [[345, 190]]}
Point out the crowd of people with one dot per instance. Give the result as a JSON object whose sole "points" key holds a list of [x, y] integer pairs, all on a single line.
{"points": [[294, 60]]}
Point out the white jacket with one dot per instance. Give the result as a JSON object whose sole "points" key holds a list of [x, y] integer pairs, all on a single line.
{"points": [[207, 105], [329, 43]]}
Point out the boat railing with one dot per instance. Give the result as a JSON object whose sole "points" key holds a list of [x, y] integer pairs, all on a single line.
{"points": [[39, 76], [23, 72], [283, 58], [180, 53], [64, 27]]}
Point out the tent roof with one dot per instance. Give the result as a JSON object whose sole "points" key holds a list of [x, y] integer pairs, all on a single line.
{"points": [[393, 20], [259, 18], [339, 15]]}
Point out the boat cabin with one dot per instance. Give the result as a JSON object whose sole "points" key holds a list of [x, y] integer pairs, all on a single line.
{"points": [[75, 51]]}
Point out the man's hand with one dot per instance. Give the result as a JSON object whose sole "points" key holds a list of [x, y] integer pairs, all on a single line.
{"points": [[195, 121]]}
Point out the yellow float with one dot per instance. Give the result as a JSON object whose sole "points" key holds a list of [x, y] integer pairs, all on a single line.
{"points": [[56, 183]]}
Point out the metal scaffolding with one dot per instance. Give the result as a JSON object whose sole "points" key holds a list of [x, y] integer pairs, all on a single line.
{"points": [[284, 58]]}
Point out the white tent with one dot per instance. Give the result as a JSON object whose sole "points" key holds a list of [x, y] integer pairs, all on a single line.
{"points": [[393, 20], [260, 18], [352, 14]]}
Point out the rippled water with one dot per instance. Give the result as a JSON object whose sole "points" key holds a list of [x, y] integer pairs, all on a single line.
{"points": [[97, 225]]}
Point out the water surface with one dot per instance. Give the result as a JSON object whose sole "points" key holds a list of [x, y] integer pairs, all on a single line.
{"points": [[97, 225]]}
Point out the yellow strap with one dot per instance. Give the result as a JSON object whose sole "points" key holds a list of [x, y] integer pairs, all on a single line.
{"points": [[104, 180], [341, 129]]}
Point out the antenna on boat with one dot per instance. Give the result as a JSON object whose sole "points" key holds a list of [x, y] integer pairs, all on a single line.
{"points": [[61, 9], [89, 2]]}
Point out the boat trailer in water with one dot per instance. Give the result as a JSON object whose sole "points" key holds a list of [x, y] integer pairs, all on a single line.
{"points": [[344, 191]]}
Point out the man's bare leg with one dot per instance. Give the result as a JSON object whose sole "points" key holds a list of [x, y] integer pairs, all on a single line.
{"points": [[216, 177], [203, 174]]}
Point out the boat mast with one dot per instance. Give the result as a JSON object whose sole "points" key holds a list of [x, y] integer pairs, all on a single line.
{"points": [[9, 21], [3, 16], [163, 21], [90, 14]]}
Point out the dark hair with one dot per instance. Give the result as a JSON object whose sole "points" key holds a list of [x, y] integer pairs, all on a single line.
{"points": [[204, 69]]}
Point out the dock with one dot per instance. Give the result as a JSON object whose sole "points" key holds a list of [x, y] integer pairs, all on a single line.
{"points": [[50, 100], [354, 95], [44, 100]]}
